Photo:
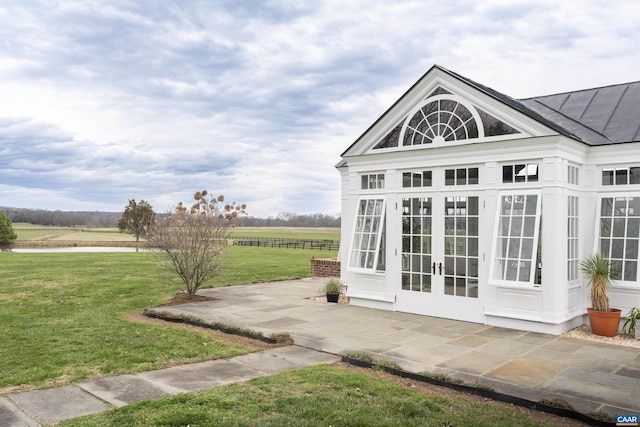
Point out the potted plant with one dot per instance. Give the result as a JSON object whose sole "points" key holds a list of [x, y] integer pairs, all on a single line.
{"points": [[332, 289], [604, 320], [633, 322]]}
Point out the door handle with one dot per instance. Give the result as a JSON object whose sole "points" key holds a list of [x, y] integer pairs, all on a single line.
{"points": [[433, 268], [440, 268]]}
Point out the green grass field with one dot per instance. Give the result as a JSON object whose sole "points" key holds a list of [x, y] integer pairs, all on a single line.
{"points": [[65, 320], [64, 314], [28, 232], [316, 396]]}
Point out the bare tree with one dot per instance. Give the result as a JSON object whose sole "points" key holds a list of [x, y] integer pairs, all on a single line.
{"points": [[191, 241]]}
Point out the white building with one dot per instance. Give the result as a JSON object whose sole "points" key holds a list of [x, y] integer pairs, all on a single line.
{"points": [[461, 202]]}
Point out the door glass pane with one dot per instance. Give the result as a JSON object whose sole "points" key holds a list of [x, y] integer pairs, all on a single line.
{"points": [[448, 285], [461, 287]]}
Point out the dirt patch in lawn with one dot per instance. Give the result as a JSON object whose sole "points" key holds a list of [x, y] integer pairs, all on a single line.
{"points": [[182, 298]]}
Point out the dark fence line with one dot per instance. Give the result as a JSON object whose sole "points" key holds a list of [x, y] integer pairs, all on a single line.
{"points": [[273, 242]]}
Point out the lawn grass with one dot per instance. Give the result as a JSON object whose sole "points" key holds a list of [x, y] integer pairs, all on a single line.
{"points": [[63, 314], [315, 396], [258, 264]]}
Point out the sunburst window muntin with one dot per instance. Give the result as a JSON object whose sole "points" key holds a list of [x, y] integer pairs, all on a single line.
{"points": [[439, 119]]}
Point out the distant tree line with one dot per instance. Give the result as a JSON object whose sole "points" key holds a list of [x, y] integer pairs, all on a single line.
{"points": [[110, 219], [63, 218], [291, 219]]}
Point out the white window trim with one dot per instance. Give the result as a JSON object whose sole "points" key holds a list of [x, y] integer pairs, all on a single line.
{"points": [[621, 284], [379, 236], [514, 283]]}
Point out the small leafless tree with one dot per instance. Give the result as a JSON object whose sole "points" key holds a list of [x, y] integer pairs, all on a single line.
{"points": [[191, 241]]}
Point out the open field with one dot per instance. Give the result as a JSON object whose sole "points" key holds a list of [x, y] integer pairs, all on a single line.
{"points": [[65, 314], [39, 234]]}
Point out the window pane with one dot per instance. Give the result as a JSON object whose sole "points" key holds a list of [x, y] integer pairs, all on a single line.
{"points": [[507, 174], [532, 201], [461, 266], [448, 285], [473, 205], [529, 226], [520, 173], [472, 269], [406, 179], [449, 177], [499, 269], [448, 265], [630, 271], [527, 249], [525, 271], [605, 246], [607, 177], [606, 208], [461, 177], [633, 227], [461, 246], [618, 227], [461, 287], [473, 247], [634, 206], [634, 175], [620, 206], [416, 180], [617, 248], [516, 226], [621, 176], [449, 245], [473, 175], [605, 227], [514, 248], [631, 250], [473, 227], [512, 270], [426, 178], [405, 282]]}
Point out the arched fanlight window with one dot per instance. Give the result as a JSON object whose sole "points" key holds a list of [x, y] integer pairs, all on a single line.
{"points": [[441, 118]]}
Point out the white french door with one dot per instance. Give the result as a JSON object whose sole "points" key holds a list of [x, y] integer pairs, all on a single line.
{"points": [[439, 255]]}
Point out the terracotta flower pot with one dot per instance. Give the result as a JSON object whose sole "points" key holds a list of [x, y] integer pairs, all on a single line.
{"points": [[603, 323]]}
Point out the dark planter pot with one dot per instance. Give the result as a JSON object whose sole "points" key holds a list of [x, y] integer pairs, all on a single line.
{"points": [[333, 297], [603, 323]]}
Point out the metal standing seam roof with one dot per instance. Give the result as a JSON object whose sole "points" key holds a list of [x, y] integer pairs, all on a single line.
{"points": [[598, 116]]}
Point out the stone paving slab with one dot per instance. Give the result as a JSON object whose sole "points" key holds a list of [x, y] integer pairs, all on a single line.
{"points": [[11, 416], [199, 376], [56, 404], [123, 390], [526, 372]]}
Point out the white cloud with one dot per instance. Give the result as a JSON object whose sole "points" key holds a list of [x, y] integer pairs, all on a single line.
{"points": [[256, 100]]}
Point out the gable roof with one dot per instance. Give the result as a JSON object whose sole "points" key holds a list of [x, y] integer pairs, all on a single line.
{"points": [[599, 116]]}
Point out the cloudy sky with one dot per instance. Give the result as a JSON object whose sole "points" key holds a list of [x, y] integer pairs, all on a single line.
{"points": [[103, 101]]}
